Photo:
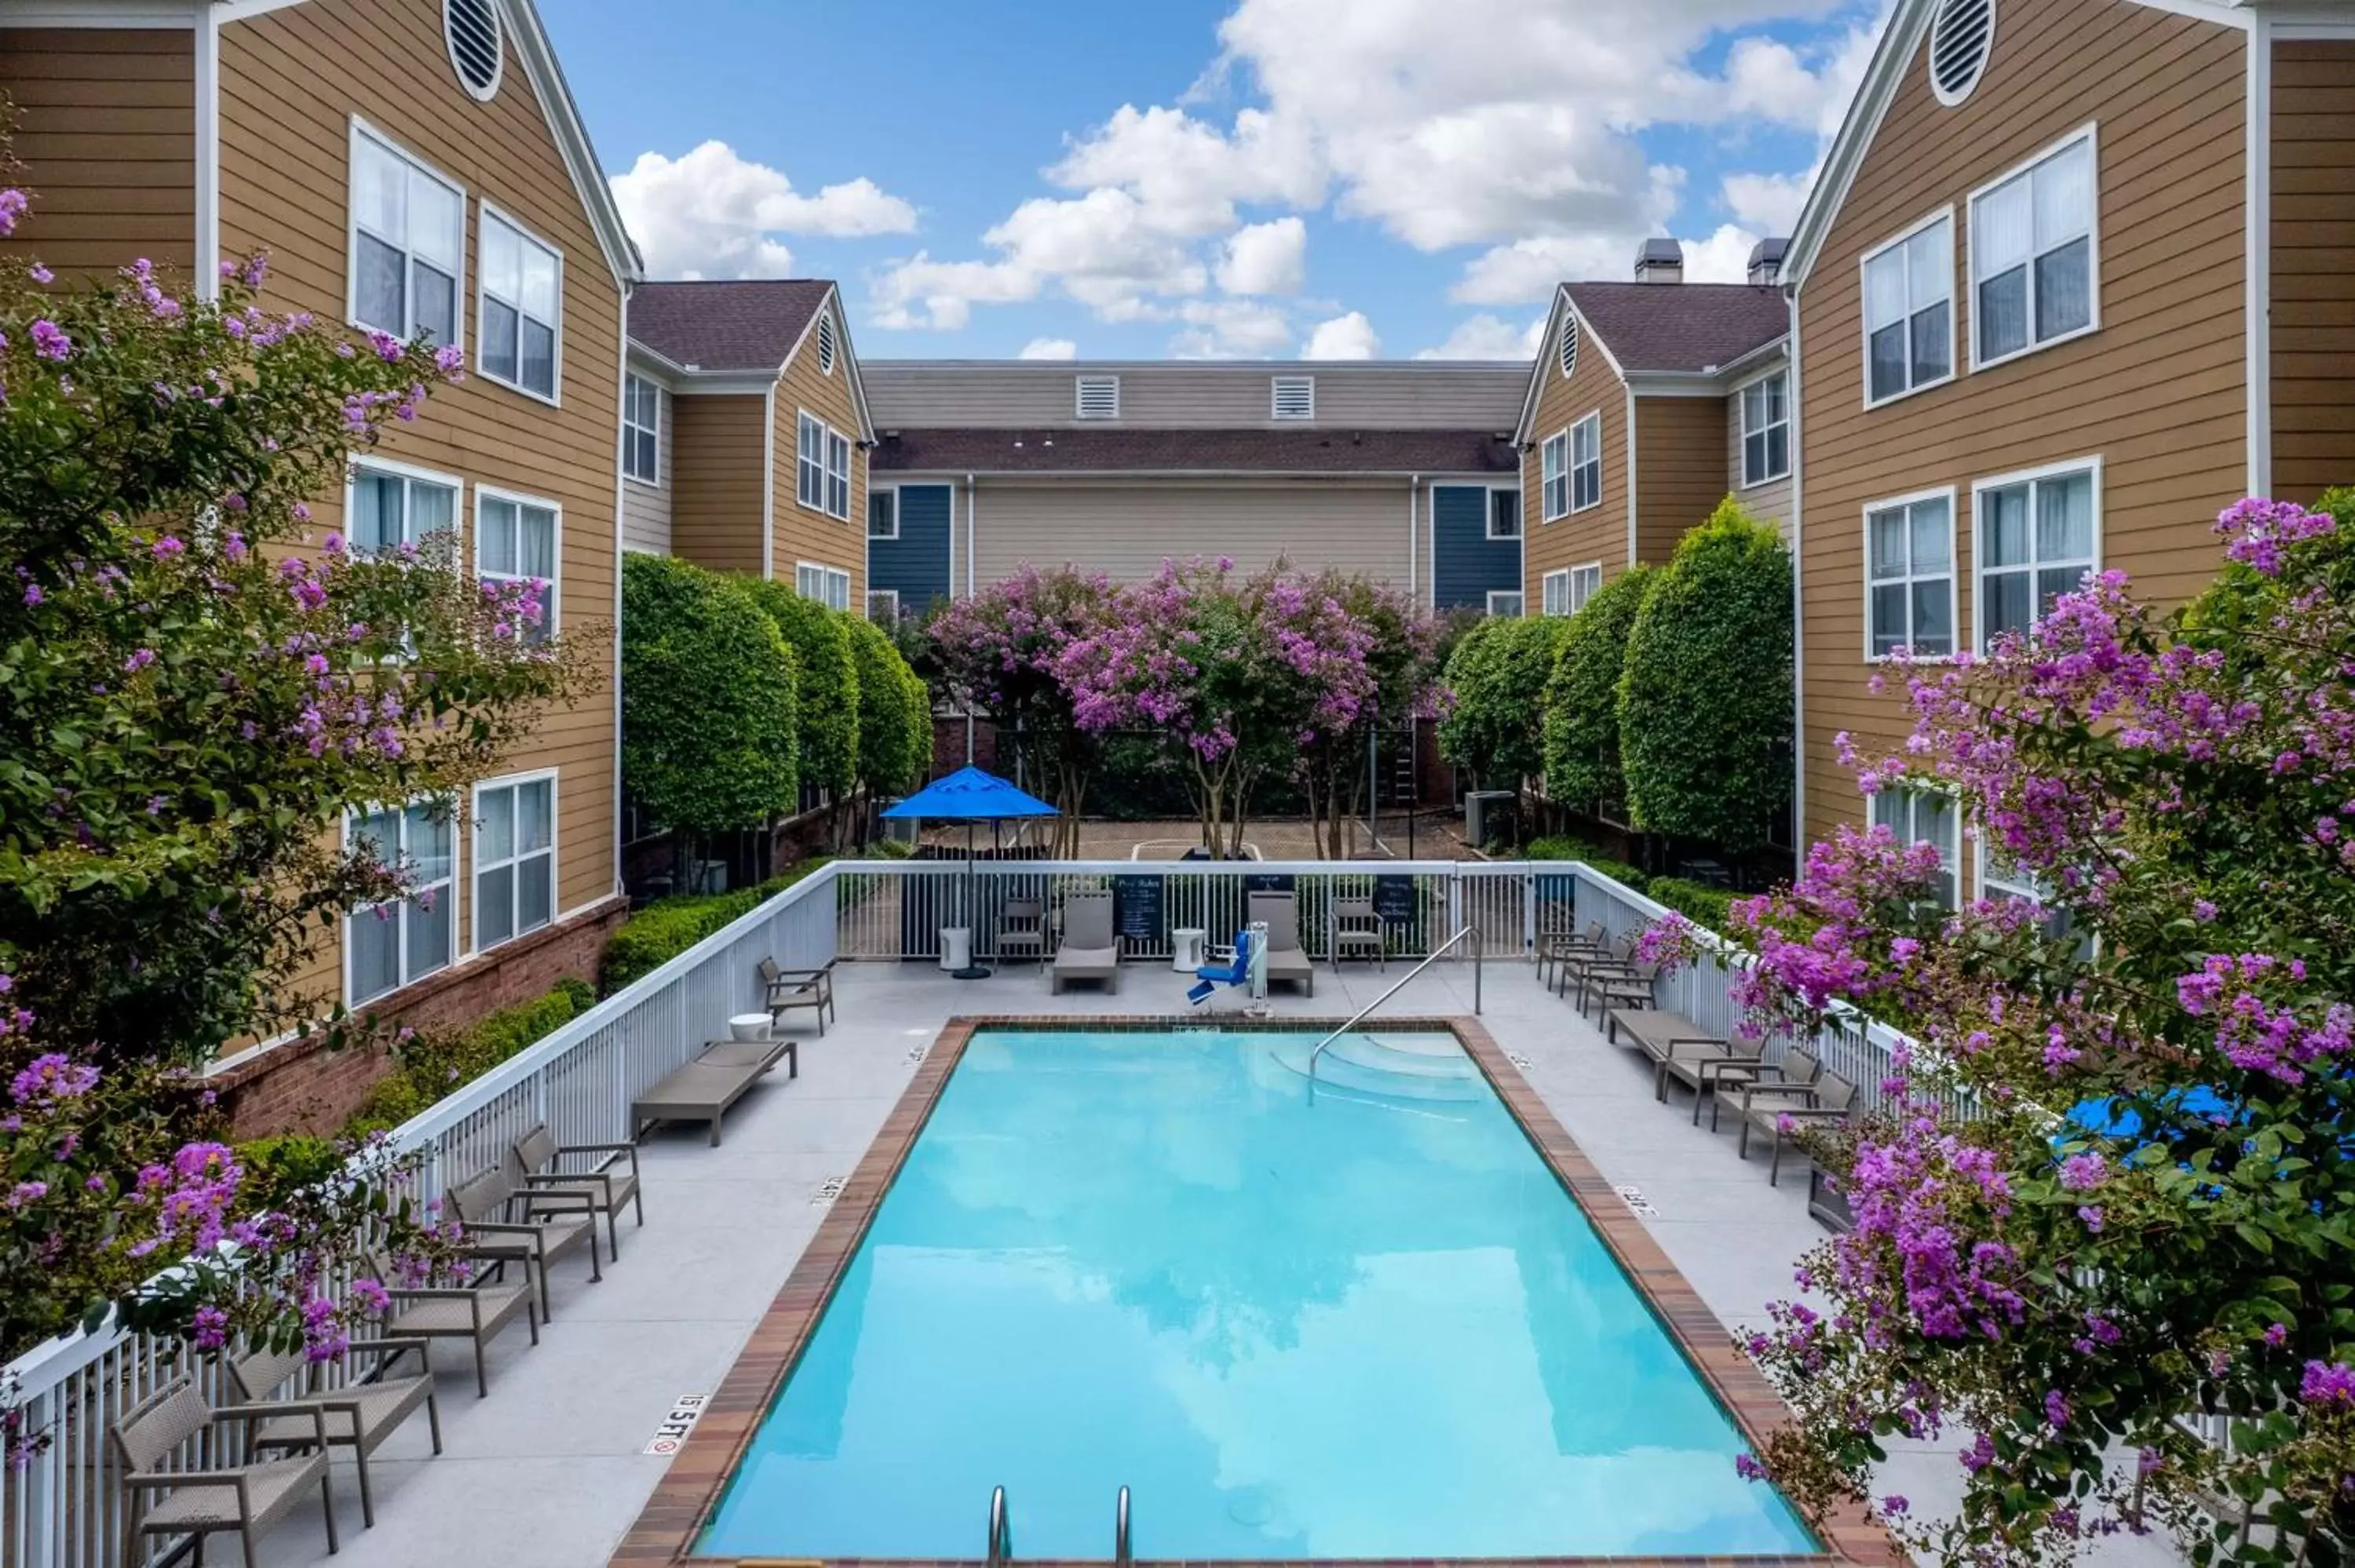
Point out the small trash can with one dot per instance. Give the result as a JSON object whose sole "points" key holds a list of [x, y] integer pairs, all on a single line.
{"points": [[749, 1026], [956, 946], [1186, 945]]}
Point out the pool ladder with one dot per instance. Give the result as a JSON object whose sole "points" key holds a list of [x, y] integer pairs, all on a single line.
{"points": [[1470, 934], [1001, 1530]]}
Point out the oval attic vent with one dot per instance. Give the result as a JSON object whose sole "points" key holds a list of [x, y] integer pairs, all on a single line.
{"points": [[470, 27], [1569, 348], [1960, 38]]}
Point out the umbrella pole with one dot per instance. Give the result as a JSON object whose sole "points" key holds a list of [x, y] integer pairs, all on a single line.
{"points": [[973, 969]]}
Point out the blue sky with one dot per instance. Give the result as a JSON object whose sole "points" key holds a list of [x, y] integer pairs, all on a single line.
{"points": [[1261, 178]]}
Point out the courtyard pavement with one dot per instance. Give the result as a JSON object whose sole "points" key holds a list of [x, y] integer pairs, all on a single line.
{"points": [[550, 1469]]}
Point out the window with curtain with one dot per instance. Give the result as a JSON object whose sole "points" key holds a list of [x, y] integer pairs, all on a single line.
{"points": [[514, 859], [2035, 543], [391, 509], [1504, 514], [883, 514], [521, 279], [1505, 601], [809, 462], [1554, 596], [1554, 461], [1910, 581], [1585, 582], [515, 539], [408, 243], [641, 430], [1586, 462], [1909, 311], [837, 475], [1766, 429], [2032, 253], [1925, 816], [390, 945], [830, 585]]}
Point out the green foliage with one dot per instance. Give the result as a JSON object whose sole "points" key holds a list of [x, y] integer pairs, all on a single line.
{"points": [[668, 926], [1497, 675], [1565, 847], [710, 711], [895, 714], [1705, 697], [1581, 699], [829, 679], [433, 1063], [1708, 907]]}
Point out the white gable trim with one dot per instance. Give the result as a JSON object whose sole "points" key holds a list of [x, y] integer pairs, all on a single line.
{"points": [[832, 305], [1522, 433]]}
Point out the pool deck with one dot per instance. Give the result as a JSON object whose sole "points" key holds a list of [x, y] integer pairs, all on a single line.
{"points": [[550, 1470]]}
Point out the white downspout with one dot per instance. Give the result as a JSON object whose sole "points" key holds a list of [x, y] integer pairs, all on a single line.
{"points": [[1414, 576], [1798, 598], [972, 513], [207, 236]]}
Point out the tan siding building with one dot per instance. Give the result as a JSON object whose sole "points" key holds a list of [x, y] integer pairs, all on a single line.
{"points": [[106, 130], [718, 480], [647, 486], [2313, 265]]}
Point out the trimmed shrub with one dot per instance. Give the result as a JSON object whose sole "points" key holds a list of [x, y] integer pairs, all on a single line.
{"points": [[829, 680], [1496, 676], [1708, 907], [710, 706], [668, 926], [1564, 847], [1705, 697], [1581, 699], [895, 714], [435, 1062]]}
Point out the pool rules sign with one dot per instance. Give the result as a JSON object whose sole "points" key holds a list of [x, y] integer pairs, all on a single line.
{"points": [[685, 1411]]}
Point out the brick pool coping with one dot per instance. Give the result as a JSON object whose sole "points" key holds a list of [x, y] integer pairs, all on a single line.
{"points": [[691, 1488]]}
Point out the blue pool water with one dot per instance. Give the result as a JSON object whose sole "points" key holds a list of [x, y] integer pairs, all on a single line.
{"points": [[1372, 1324]]}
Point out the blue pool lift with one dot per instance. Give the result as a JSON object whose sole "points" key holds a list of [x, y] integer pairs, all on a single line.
{"points": [[970, 795]]}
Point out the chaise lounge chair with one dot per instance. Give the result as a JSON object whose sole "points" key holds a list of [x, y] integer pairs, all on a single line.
{"points": [[704, 1089], [1091, 948], [1286, 960]]}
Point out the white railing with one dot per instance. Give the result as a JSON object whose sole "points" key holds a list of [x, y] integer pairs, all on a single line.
{"points": [[63, 1508]]}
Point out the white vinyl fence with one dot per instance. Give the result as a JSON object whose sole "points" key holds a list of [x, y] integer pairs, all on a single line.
{"points": [[63, 1508]]}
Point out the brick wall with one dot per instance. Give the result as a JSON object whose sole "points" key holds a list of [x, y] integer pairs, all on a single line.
{"points": [[301, 1086]]}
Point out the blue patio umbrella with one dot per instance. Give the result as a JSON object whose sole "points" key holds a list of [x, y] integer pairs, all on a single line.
{"points": [[970, 795]]}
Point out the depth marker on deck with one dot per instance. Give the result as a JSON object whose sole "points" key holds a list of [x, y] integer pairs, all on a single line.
{"points": [[1633, 1196], [684, 1411]]}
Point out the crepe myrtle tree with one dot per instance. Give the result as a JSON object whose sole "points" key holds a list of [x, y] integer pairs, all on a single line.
{"points": [[1402, 660], [2047, 1294], [200, 680]]}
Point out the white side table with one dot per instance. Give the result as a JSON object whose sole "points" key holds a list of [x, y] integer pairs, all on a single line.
{"points": [[956, 946], [1186, 949]]}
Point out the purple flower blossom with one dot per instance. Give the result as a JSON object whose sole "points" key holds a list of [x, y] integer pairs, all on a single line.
{"points": [[50, 340], [2328, 1385]]}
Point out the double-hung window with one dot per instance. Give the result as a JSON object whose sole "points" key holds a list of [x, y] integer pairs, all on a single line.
{"points": [[1504, 514], [389, 507], [1909, 311], [1553, 598], [515, 858], [837, 475], [522, 281], [516, 540], [2000, 880], [390, 945], [1766, 429], [1919, 816], [1909, 575], [809, 462], [408, 243], [2036, 541], [1586, 462], [1554, 492], [830, 585], [2032, 253], [641, 430], [1584, 582], [883, 514]]}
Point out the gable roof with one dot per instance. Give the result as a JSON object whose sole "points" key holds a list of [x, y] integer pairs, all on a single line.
{"points": [[1672, 330], [747, 325]]}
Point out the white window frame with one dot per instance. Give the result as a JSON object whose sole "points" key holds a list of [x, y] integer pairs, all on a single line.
{"points": [[838, 480], [1945, 215], [477, 865], [1594, 418], [1553, 592], [412, 474], [1520, 529], [1080, 385], [873, 491], [828, 578], [1276, 386], [361, 131], [1951, 496], [633, 428], [554, 395], [2089, 134], [809, 461], [1553, 469], [1908, 799], [1766, 430], [1585, 582], [549, 604], [890, 594], [2092, 468], [445, 905], [1512, 594]]}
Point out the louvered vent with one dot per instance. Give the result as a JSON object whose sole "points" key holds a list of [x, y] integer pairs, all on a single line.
{"points": [[1959, 40], [1099, 397], [1293, 398], [1569, 346], [825, 345], [471, 30]]}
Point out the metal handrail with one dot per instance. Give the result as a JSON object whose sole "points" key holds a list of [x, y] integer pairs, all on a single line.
{"points": [[1001, 1528], [1121, 1555], [1469, 933]]}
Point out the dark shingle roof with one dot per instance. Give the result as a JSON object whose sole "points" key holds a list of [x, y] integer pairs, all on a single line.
{"points": [[725, 326], [1681, 326], [1066, 451]]}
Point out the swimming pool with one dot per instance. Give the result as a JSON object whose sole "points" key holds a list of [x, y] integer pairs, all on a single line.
{"points": [[1369, 1323]]}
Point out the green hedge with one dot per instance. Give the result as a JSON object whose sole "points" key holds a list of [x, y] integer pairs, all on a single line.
{"points": [[1708, 907], [710, 703], [1564, 847], [828, 677], [895, 714], [436, 1060], [668, 926]]}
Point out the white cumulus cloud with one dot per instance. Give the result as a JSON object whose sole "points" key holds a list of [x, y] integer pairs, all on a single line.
{"points": [[1485, 336], [1767, 203], [1230, 329], [1049, 348], [1266, 259], [1722, 257], [712, 212], [1349, 336]]}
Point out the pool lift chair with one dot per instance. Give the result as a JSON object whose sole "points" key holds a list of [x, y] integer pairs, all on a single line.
{"points": [[1245, 968]]}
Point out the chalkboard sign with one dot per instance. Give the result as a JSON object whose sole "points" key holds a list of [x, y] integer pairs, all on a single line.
{"points": [[1137, 907], [1394, 899]]}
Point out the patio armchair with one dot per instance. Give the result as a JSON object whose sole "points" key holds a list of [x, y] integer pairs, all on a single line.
{"points": [[1799, 1070], [500, 1228], [1359, 928], [359, 1415], [609, 1182], [1621, 977], [169, 1497], [1593, 950], [1089, 949], [1286, 960], [476, 1311], [1830, 1100], [787, 990], [1022, 930], [1555, 948]]}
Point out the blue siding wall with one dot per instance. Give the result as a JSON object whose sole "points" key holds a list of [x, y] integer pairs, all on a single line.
{"points": [[1465, 564], [916, 564]]}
